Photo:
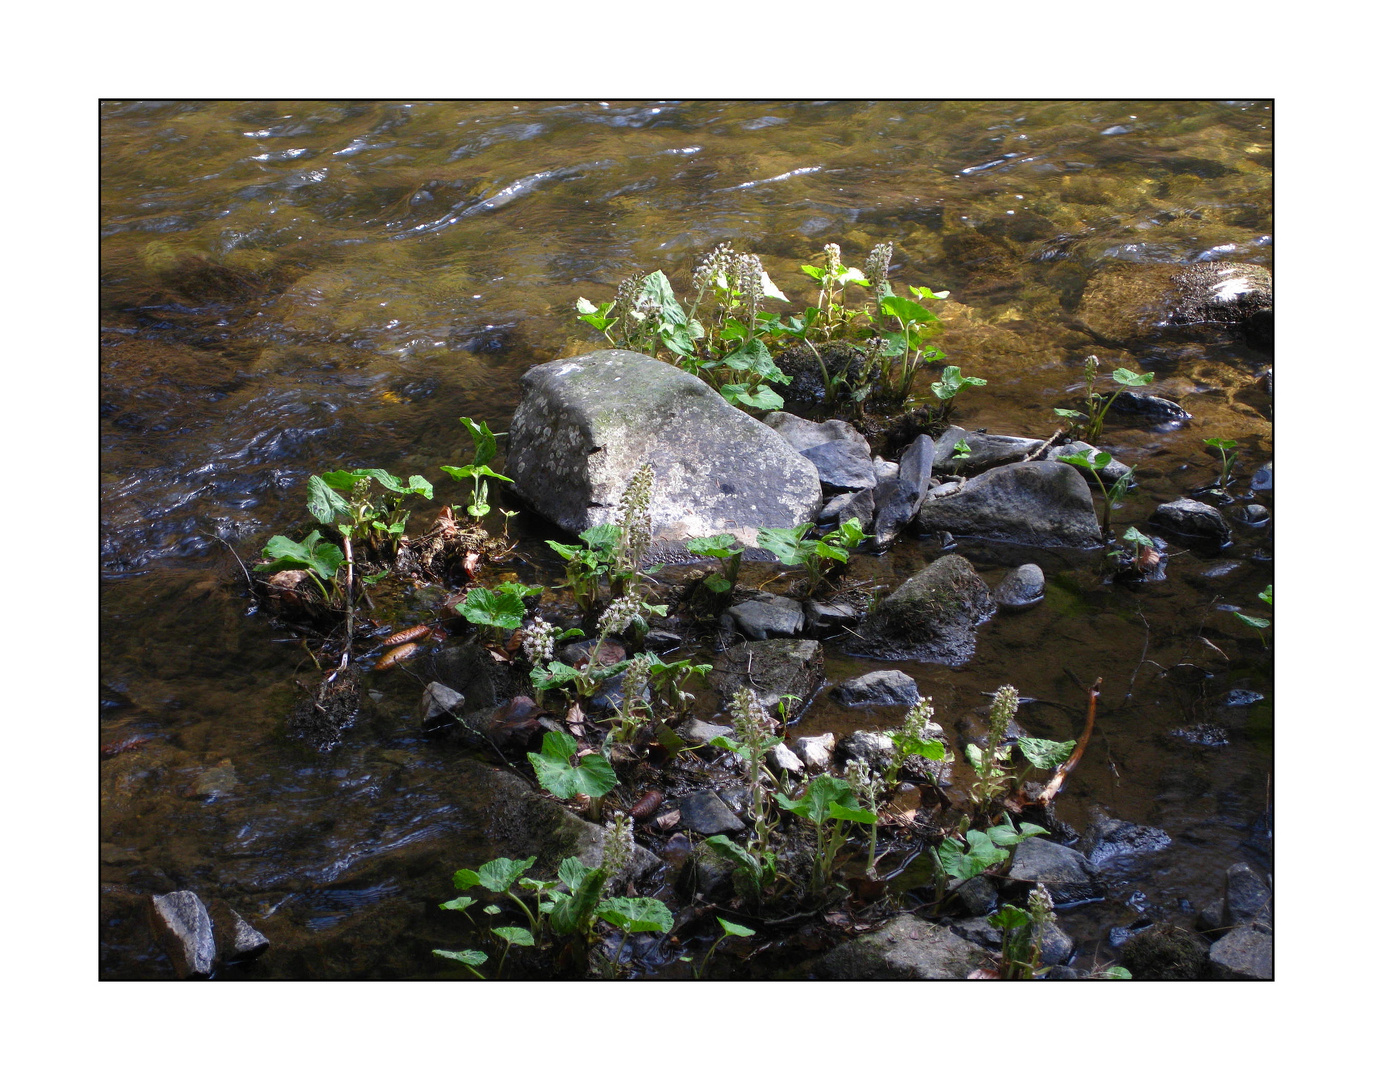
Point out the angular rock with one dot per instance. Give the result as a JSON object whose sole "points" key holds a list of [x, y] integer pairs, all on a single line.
{"points": [[922, 769], [780, 757], [1066, 873], [905, 948], [703, 812], [773, 669], [469, 669], [1248, 897], [802, 434], [932, 616], [823, 615], [1191, 519], [1021, 588], [1035, 503], [877, 688], [884, 469], [874, 748], [237, 941], [849, 504], [816, 751], [440, 706], [1245, 953], [586, 425], [696, 732], [186, 933], [1109, 839], [758, 620], [841, 466]]}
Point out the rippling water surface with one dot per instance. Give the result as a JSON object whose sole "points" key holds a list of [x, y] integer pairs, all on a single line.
{"points": [[290, 287]]}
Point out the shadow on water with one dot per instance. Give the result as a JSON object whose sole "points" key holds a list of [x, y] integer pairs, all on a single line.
{"points": [[288, 288]]}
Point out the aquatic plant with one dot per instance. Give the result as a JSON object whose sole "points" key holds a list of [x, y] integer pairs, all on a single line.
{"points": [[319, 559], [479, 471], [1226, 460], [723, 547], [959, 859], [1022, 934], [815, 554], [909, 739], [366, 505], [1255, 621], [993, 778], [830, 804], [730, 930], [947, 388], [1090, 423], [1096, 464]]}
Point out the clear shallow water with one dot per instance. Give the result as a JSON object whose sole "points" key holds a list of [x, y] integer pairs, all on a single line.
{"points": [[292, 287]]}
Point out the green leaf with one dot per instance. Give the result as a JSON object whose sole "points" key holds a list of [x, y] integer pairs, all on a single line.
{"points": [[467, 956], [720, 546], [601, 537], [562, 774], [1222, 444], [323, 502], [1126, 377], [1071, 414], [492, 909], [1134, 536], [462, 903], [930, 749], [1117, 972], [786, 544], [596, 316], [813, 272], [1253, 620], [658, 289], [571, 871], [483, 438], [734, 929], [1009, 917], [518, 590], [1267, 595], [556, 674], [637, 915], [575, 912], [1045, 753], [309, 554], [907, 311], [771, 291], [516, 935], [821, 797], [760, 397], [499, 874], [485, 608]]}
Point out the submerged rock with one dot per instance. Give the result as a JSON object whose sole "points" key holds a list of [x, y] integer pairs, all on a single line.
{"points": [[1035, 503], [587, 424], [984, 451], [877, 688], [1066, 873], [931, 616], [773, 669], [899, 499], [1189, 518], [1021, 588], [1111, 839]]}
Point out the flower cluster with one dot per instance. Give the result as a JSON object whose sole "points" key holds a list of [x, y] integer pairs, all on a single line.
{"points": [[636, 525], [629, 610], [619, 845], [1004, 705], [539, 639], [875, 269]]}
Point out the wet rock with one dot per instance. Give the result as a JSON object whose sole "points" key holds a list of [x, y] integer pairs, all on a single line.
{"points": [[877, 688], [237, 941], [849, 504], [696, 732], [1165, 953], [1021, 588], [469, 668], [1035, 503], [1238, 698], [978, 896], [802, 434], [706, 874], [215, 781], [1252, 514], [586, 424], [1230, 294], [1204, 735], [1248, 897], [932, 616], [1149, 407], [780, 757], [872, 747], [1109, 839], [705, 813], [1066, 873], [816, 751], [773, 669], [1111, 473], [1192, 520], [777, 616], [984, 451], [841, 466], [1245, 953], [899, 500], [1263, 478], [905, 948], [440, 706], [186, 933], [823, 616]]}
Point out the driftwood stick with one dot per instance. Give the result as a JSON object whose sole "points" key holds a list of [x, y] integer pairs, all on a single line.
{"points": [[1051, 788]]}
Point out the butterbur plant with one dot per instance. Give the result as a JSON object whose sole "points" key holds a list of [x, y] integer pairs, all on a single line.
{"points": [[479, 472], [1255, 621], [829, 804], [723, 547], [993, 778], [815, 554], [1096, 464], [948, 386], [502, 609], [1091, 422], [913, 737], [1222, 447]]}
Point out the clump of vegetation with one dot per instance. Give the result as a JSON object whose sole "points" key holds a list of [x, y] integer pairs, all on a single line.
{"points": [[479, 471], [1089, 424], [1096, 464], [817, 555]]}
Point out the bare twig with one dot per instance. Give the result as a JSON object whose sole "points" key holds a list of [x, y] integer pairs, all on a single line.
{"points": [[1052, 787]]}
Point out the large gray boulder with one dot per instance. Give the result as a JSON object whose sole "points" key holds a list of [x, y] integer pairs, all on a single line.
{"points": [[1036, 503], [905, 948], [586, 424]]}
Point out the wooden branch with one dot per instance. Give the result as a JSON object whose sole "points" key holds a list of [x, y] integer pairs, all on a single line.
{"points": [[1051, 788]]}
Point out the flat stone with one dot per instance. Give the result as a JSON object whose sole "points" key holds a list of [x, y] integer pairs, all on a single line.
{"points": [[758, 620], [1190, 518], [1244, 953], [984, 451], [803, 434], [824, 615], [877, 688], [1109, 839], [186, 933], [1066, 873], [586, 425], [905, 948], [696, 732], [1035, 503], [705, 813], [841, 466]]}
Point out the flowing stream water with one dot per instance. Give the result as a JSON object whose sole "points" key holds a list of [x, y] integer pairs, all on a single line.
{"points": [[293, 287]]}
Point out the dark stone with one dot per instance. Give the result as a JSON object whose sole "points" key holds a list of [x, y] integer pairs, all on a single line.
{"points": [[877, 688], [829, 615], [778, 616], [1110, 839], [588, 423], [1036, 503], [931, 617], [703, 812], [1021, 588], [849, 504], [1190, 519], [1248, 897], [773, 669], [706, 874], [841, 466], [978, 896], [874, 748], [441, 706], [1252, 514], [984, 451], [905, 948], [469, 669], [1156, 410], [802, 434], [1068, 876], [186, 933]]}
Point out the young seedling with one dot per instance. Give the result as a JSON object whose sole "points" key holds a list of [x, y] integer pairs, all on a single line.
{"points": [[1098, 404], [948, 386], [730, 930], [1226, 460], [722, 547], [815, 555], [1255, 621], [829, 804], [1096, 464], [484, 443]]}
